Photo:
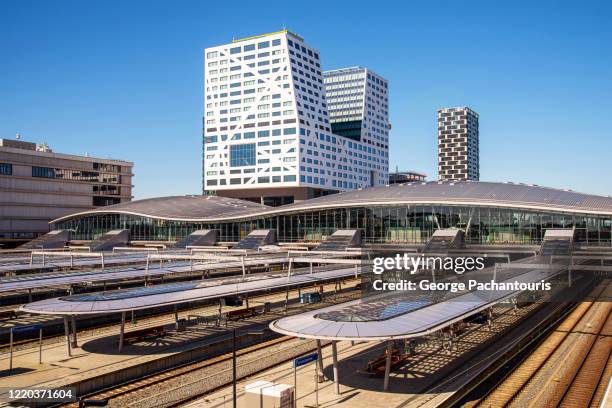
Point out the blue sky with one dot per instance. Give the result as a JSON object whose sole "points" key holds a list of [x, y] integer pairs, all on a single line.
{"points": [[124, 79]]}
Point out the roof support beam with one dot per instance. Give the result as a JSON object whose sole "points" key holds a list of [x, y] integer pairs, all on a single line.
{"points": [[335, 367], [67, 334], [388, 364], [320, 374], [121, 331]]}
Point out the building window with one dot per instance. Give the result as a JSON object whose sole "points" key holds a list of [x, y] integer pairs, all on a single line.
{"points": [[242, 155], [104, 201], [43, 172], [6, 169]]}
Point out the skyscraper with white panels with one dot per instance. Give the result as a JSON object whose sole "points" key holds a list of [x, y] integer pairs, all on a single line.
{"points": [[458, 144], [267, 133], [358, 106]]}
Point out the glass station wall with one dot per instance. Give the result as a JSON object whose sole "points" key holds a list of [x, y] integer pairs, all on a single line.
{"points": [[390, 224]]}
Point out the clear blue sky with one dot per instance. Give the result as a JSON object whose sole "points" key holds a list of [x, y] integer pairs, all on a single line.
{"points": [[124, 79]]}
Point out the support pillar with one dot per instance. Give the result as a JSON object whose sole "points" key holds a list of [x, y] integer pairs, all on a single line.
{"points": [[75, 344], [388, 364], [121, 331], [286, 299], [29, 295], [320, 374], [335, 368], [176, 319], [67, 334]]}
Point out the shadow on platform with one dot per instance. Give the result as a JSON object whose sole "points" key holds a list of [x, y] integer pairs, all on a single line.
{"points": [[15, 371], [415, 377]]}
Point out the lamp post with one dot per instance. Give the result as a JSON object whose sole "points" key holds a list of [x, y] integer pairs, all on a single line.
{"points": [[235, 405], [253, 332]]}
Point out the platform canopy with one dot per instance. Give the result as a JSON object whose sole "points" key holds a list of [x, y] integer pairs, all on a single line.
{"points": [[370, 319], [162, 295]]}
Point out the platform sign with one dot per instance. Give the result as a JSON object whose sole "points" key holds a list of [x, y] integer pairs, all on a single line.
{"points": [[298, 362], [23, 329]]}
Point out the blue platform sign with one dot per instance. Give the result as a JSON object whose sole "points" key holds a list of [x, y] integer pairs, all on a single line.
{"points": [[21, 329], [298, 362]]}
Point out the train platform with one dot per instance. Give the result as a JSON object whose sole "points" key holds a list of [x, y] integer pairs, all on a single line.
{"points": [[427, 379], [97, 361]]}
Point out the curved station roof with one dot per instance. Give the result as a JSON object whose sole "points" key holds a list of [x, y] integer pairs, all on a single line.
{"points": [[160, 295], [370, 319], [183, 208], [470, 193]]}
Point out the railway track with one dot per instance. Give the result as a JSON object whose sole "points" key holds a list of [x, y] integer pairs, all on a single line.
{"points": [[579, 345], [178, 385], [585, 383], [120, 394]]}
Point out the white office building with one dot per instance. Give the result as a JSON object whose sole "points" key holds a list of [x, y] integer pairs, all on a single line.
{"points": [[358, 106], [267, 132]]}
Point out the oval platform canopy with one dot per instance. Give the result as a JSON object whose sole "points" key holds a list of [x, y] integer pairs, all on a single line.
{"points": [[161, 295], [335, 322]]}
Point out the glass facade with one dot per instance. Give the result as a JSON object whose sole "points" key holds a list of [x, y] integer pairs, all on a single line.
{"points": [[242, 155], [388, 224]]}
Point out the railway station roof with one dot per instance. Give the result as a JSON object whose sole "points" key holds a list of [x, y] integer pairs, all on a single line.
{"points": [[468, 193], [370, 319], [54, 279], [162, 295]]}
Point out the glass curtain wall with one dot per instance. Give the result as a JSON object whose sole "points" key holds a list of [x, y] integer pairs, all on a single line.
{"points": [[390, 224]]}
